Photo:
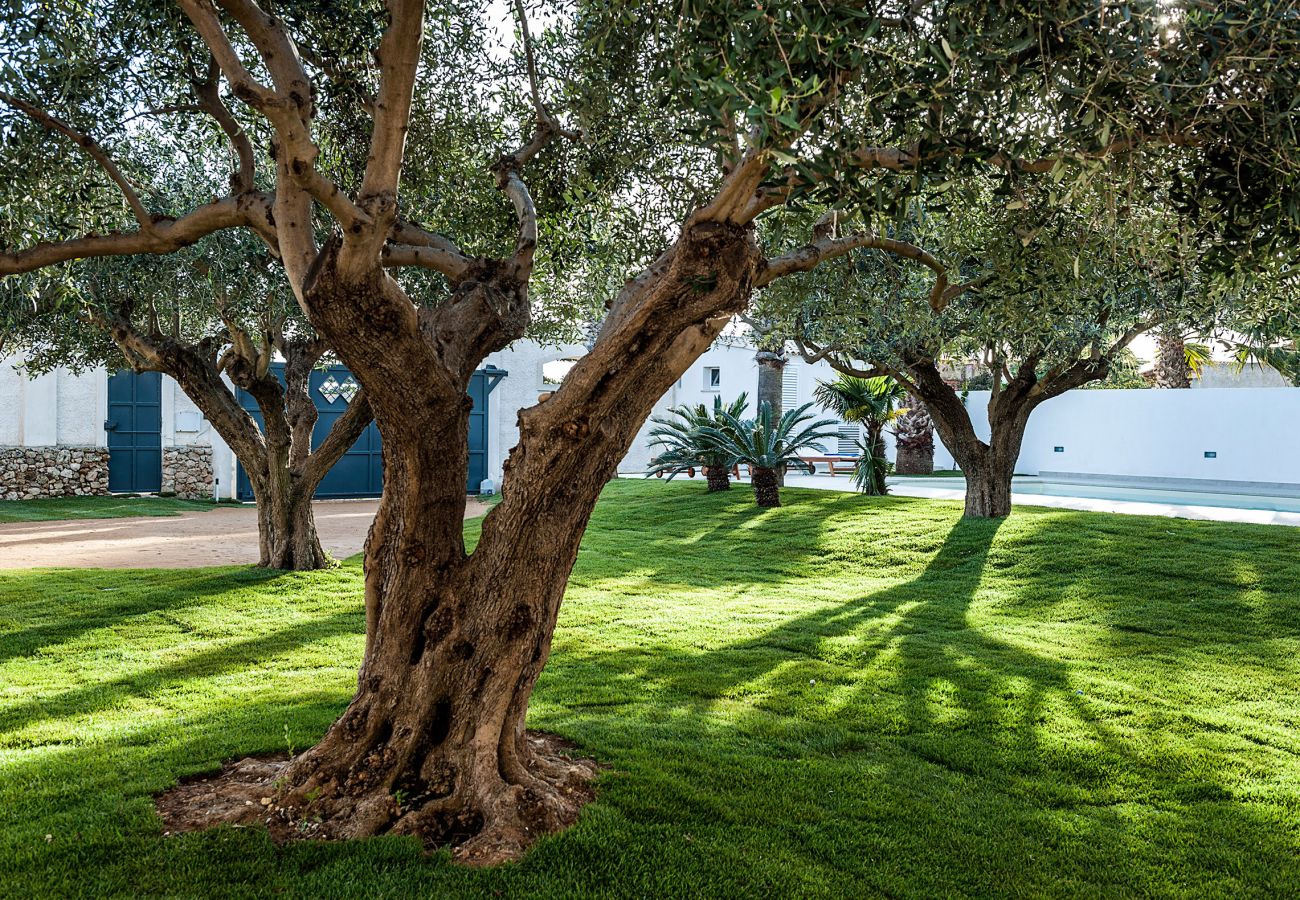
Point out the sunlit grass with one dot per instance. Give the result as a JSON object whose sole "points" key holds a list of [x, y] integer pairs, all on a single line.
{"points": [[46, 510], [843, 697]]}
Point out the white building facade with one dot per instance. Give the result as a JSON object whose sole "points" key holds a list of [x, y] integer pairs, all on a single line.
{"points": [[54, 440]]}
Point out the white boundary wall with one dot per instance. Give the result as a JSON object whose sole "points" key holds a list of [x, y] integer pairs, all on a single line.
{"points": [[1254, 434]]}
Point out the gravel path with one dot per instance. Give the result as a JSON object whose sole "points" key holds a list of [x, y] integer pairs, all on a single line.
{"points": [[220, 537]]}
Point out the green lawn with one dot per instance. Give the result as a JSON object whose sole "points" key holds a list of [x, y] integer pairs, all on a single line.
{"points": [[96, 508], [844, 697]]}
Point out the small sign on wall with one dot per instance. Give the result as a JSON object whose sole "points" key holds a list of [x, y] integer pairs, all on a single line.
{"points": [[188, 420]]}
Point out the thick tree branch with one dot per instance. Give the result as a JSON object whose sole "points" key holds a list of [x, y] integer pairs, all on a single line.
{"points": [[453, 265], [204, 17], [399, 59], [166, 236], [277, 51], [409, 233], [411, 245], [91, 148], [345, 431], [811, 255], [289, 109], [208, 93]]}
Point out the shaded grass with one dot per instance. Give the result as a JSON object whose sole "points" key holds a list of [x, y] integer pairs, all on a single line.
{"points": [[50, 509], [843, 697]]}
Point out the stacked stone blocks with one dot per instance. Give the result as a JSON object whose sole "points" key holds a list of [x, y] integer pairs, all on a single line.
{"points": [[27, 473], [187, 472]]}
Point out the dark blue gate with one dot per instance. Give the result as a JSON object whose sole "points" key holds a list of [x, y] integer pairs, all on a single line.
{"points": [[134, 427], [360, 471]]}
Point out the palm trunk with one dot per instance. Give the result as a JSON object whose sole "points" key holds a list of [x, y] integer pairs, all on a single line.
{"points": [[767, 490], [771, 371], [914, 449], [718, 477], [876, 443], [1171, 361]]}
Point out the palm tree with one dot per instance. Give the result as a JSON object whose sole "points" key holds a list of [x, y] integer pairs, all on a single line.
{"points": [[683, 448], [1178, 359], [767, 445], [873, 402]]}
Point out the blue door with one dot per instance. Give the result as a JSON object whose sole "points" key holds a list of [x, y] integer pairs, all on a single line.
{"points": [[360, 472], [479, 388], [134, 427]]}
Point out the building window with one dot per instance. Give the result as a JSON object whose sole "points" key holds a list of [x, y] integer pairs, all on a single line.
{"points": [[790, 385], [847, 443], [712, 378]]}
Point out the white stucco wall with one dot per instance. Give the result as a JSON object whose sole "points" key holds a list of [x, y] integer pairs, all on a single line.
{"points": [[520, 389], [12, 386], [1144, 433], [82, 408], [58, 408], [1253, 433], [1229, 375]]}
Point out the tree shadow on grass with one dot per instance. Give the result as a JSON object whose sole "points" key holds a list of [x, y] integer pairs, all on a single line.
{"points": [[84, 603], [923, 677], [228, 656], [680, 536], [921, 740]]}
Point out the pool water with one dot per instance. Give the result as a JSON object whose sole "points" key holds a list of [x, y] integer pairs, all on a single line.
{"points": [[1023, 484]]}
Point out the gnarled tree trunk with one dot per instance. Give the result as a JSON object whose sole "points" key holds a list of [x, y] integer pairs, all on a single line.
{"points": [[434, 742], [989, 466], [286, 527], [277, 458], [989, 469]]}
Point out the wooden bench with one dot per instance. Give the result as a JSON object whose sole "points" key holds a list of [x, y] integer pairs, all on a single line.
{"points": [[831, 461]]}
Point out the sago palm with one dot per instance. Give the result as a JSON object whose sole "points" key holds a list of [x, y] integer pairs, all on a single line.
{"points": [[767, 444], [874, 403], [683, 450]]}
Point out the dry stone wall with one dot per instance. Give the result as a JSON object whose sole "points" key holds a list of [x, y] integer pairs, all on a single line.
{"points": [[187, 472], [27, 473]]}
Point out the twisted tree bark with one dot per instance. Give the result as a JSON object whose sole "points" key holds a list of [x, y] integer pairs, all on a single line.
{"points": [[434, 742]]}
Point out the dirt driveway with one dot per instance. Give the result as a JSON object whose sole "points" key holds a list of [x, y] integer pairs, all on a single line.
{"points": [[221, 537]]}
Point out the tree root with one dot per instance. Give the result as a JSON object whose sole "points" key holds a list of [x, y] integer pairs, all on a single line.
{"points": [[482, 823]]}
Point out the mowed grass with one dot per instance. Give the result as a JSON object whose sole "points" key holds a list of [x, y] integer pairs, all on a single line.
{"points": [[844, 697], [96, 508]]}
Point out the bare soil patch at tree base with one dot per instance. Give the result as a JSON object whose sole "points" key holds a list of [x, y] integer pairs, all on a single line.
{"points": [[253, 793]]}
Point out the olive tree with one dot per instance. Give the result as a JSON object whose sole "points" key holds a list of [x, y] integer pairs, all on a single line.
{"points": [[702, 122], [1046, 299], [214, 317]]}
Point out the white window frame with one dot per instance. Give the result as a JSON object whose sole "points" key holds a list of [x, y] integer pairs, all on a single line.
{"points": [[713, 379]]}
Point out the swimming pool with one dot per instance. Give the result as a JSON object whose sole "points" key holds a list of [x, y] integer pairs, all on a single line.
{"points": [[1029, 484]]}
